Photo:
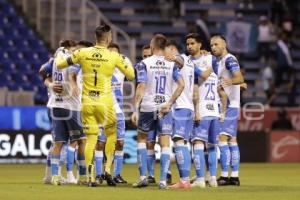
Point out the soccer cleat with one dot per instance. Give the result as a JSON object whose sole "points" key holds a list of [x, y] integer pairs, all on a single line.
{"points": [[103, 177], [162, 186], [63, 180], [119, 179], [181, 185], [92, 184], [193, 179], [99, 179], [234, 181], [109, 180], [56, 180], [223, 181], [141, 183], [47, 180], [198, 183], [212, 182], [169, 178], [82, 180], [207, 178], [71, 179], [151, 180]]}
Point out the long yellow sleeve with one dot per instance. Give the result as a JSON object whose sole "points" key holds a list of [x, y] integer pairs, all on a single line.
{"points": [[61, 62], [125, 66]]}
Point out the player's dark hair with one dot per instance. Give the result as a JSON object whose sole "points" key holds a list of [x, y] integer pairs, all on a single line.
{"points": [[172, 43], [219, 36], [147, 46], [67, 43], [101, 31], [194, 36], [159, 41], [85, 43], [114, 45]]}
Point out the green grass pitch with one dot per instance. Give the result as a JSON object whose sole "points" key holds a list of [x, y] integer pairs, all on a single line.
{"points": [[258, 182]]}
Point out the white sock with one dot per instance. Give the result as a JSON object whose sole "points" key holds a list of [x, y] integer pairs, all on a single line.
{"points": [[224, 174], [234, 174]]}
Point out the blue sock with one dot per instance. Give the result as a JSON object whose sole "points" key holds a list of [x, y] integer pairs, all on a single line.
{"points": [[235, 159], [224, 158], [54, 164], [199, 160], [164, 163], [206, 160], [48, 162], [150, 162], [212, 160], [81, 164], [70, 158], [63, 155], [142, 158], [98, 159], [183, 160], [118, 162]]}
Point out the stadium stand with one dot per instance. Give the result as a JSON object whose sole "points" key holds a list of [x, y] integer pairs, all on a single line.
{"points": [[134, 17], [21, 55], [141, 20]]}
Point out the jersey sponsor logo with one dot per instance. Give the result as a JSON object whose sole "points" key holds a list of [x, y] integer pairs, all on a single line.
{"points": [[160, 67], [160, 63], [94, 93], [210, 107], [96, 57], [159, 99], [59, 99]]}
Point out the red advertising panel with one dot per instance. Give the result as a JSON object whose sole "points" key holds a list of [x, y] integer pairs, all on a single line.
{"points": [[261, 119], [284, 146]]}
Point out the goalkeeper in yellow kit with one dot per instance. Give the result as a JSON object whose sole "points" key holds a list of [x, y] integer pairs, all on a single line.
{"points": [[98, 64]]}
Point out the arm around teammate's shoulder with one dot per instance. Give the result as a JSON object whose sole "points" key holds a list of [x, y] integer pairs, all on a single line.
{"points": [[61, 61]]}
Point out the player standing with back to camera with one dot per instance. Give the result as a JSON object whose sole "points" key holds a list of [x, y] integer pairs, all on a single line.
{"points": [[153, 101], [98, 64], [117, 84]]}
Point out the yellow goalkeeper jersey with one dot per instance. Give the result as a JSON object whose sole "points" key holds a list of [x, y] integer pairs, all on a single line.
{"points": [[97, 64]]}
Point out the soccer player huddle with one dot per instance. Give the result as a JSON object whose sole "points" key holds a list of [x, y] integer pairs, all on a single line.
{"points": [[192, 98]]}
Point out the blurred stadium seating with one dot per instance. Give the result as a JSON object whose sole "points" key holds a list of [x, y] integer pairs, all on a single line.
{"points": [[21, 55], [22, 51]]}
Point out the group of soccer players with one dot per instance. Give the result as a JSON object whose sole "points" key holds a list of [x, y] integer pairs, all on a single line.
{"points": [[185, 98], [192, 98]]}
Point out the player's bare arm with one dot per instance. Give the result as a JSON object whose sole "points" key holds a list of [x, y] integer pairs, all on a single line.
{"points": [[58, 88], [177, 59], [244, 86], [196, 103], [75, 91], [168, 105], [139, 94], [224, 101], [237, 78]]}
